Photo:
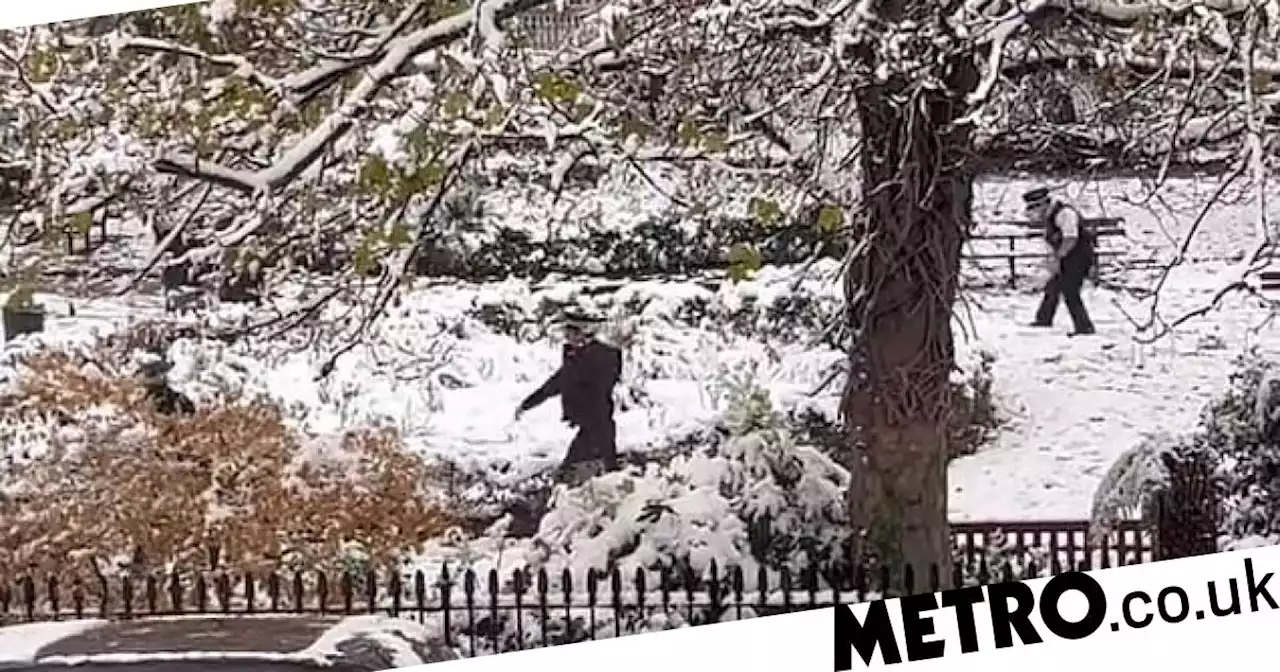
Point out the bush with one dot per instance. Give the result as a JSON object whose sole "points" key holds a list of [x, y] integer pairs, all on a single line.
{"points": [[232, 486], [1217, 487], [746, 495], [975, 417], [973, 422]]}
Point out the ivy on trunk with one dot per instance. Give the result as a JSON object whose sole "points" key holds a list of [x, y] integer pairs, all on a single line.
{"points": [[901, 285]]}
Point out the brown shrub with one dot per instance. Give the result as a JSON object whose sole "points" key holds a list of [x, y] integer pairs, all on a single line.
{"points": [[232, 486]]}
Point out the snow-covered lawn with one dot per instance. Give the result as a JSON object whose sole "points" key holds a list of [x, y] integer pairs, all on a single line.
{"points": [[1073, 405]]}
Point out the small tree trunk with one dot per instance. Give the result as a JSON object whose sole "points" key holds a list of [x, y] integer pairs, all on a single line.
{"points": [[900, 288]]}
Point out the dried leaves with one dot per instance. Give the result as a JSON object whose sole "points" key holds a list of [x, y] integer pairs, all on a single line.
{"points": [[231, 486]]}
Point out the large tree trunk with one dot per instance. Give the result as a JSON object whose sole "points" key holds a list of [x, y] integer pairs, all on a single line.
{"points": [[901, 286]]}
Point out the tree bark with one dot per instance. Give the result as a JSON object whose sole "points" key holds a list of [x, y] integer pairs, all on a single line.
{"points": [[900, 287]]}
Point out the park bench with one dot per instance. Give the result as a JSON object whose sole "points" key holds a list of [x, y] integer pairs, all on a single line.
{"points": [[1105, 229], [1269, 281]]}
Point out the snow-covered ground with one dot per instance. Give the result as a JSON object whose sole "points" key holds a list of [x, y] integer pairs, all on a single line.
{"points": [[1073, 404]]}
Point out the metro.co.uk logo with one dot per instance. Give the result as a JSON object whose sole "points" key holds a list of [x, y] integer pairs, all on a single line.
{"points": [[1069, 606]]}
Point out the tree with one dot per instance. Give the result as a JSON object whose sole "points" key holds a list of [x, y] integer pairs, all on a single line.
{"points": [[352, 121]]}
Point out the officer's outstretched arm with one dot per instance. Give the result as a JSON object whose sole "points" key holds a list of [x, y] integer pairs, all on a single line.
{"points": [[550, 388]]}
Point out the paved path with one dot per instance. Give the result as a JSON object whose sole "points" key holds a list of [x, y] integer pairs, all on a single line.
{"points": [[274, 634]]}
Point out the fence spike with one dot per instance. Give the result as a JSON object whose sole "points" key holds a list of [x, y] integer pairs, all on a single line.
{"points": [[371, 589], [77, 597], [299, 592], [736, 582], [126, 596], [469, 594], [348, 588], [273, 591], [224, 592], [175, 592], [202, 594], [250, 593], [153, 597], [397, 591], [615, 586], [566, 586], [517, 581], [691, 584], [640, 582], [51, 590], [322, 592], [493, 610], [29, 597], [762, 587], [664, 586], [446, 600], [908, 580], [785, 581], [544, 585]]}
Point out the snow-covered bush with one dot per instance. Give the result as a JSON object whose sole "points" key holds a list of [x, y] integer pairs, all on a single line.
{"points": [[748, 496], [975, 417], [999, 557], [656, 247], [788, 317], [1222, 479], [1237, 429]]}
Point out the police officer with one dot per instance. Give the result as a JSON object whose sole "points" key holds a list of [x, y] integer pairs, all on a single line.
{"points": [[584, 382], [1070, 257]]}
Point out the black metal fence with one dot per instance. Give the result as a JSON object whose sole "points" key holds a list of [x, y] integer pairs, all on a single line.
{"points": [[489, 612]]}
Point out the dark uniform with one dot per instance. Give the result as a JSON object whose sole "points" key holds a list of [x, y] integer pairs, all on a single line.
{"points": [[584, 382], [1072, 270], [162, 396]]}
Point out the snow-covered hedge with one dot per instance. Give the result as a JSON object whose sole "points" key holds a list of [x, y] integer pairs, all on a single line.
{"points": [[660, 247], [776, 316], [1223, 479], [746, 496]]}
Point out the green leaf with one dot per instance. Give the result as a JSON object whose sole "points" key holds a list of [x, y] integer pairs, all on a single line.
{"points": [[21, 297], [456, 105], [494, 116], [632, 126], [688, 131], [363, 259], [766, 211], [398, 237], [715, 141], [556, 89], [830, 219], [744, 260], [375, 176], [81, 222]]}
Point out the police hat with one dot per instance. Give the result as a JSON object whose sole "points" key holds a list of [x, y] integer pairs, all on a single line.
{"points": [[580, 320], [1037, 196]]}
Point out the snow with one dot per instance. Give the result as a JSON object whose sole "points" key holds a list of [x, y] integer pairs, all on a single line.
{"points": [[21, 643], [396, 635], [1073, 405]]}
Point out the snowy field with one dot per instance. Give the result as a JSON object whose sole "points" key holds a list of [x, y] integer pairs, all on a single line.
{"points": [[451, 378]]}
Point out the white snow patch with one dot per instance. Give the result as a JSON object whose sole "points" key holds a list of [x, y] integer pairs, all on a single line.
{"points": [[395, 635], [21, 643]]}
